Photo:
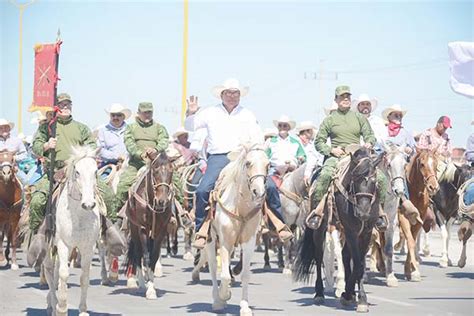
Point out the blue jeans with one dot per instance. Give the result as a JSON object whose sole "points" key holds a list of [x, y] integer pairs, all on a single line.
{"points": [[215, 163], [273, 198], [195, 180], [469, 195]]}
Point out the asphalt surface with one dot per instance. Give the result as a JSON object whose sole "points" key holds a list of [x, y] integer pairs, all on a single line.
{"points": [[448, 291]]}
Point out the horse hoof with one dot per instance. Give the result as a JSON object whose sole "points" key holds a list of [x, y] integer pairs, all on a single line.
{"points": [[462, 263], [195, 277], [318, 300], [338, 293], [61, 311], [113, 277], [415, 276], [218, 306], [225, 296], [373, 268], [346, 302], [286, 271], [84, 314], [3, 263], [443, 263], [151, 294], [267, 267], [14, 267], [132, 283], [158, 272], [105, 282], [426, 253], [245, 309], [392, 281], [362, 308], [188, 256]]}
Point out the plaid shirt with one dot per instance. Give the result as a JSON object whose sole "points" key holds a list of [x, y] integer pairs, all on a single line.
{"points": [[430, 139]]}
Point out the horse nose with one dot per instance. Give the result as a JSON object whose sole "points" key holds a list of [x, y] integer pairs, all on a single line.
{"points": [[161, 202], [88, 206]]}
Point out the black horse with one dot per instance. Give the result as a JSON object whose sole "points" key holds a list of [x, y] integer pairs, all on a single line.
{"points": [[446, 204], [357, 209]]}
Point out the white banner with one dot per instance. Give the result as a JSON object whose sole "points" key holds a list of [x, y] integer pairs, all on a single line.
{"points": [[461, 63]]}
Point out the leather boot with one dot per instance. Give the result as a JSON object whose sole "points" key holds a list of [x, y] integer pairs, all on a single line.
{"points": [[314, 218]]}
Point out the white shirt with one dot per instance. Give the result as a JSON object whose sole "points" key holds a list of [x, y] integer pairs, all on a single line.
{"points": [[313, 158], [378, 126], [226, 131], [199, 142]]}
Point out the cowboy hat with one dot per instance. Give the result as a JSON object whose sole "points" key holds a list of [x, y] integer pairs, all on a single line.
{"points": [[119, 108], [393, 108], [329, 109], [285, 119], [230, 84], [304, 126], [180, 131], [40, 116], [270, 132], [6, 122], [364, 98]]}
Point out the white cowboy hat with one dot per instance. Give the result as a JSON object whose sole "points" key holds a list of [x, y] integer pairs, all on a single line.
{"points": [[6, 122], [304, 126], [270, 132], [230, 84], [364, 97], [285, 119], [180, 131], [332, 107], [40, 116], [119, 108], [393, 108]]}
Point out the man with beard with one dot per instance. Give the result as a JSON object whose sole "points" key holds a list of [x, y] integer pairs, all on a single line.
{"points": [[343, 127], [366, 105]]}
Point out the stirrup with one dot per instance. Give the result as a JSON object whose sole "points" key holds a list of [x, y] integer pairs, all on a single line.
{"points": [[313, 221], [383, 227]]}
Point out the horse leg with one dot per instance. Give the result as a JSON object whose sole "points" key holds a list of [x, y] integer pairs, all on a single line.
{"points": [[188, 255], [463, 257], [360, 251], [400, 245], [406, 229], [3, 260], [340, 276], [388, 253], [158, 269], [414, 264], [247, 252], [238, 267], [288, 246], [14, 242], [201, 262], [85, 266], [266, 256], [149, 268], [224, 289], [426, 245], [48, 267], [347, 297], [319, 244], [63, 254], [328, 262], [103, 265], [154, 261], [217, 304], [168, 246], [443, 262], [449, 224], [281, 264]]}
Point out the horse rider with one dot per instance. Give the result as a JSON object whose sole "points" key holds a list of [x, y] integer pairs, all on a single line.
{"points": [[437, 138], [306, 132], [269, 133], [13, 144], [285, 153], [110, 137], [343, 127], [144, 139], [366, 105], [182, 144], [69, 132], [395, 133], [228, 125]]}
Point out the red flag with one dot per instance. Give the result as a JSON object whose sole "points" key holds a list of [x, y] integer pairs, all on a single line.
{"points": [[46, 76]]}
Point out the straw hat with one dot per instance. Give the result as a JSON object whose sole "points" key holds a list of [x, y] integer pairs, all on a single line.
{"points": [[285, 119], [230, 84], [304, 126], [364, 98], [180, 131], [393, 108], [270, 132], [119, 108], [6, 122], [332, 107]]}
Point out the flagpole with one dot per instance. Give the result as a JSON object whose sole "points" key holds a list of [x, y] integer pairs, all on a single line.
{"points": [[22, 8], [185, 62]]}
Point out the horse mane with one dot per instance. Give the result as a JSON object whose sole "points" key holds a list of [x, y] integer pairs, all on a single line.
{"points": [[78, 153], [161, 159], [233, 172], [362, 166]]}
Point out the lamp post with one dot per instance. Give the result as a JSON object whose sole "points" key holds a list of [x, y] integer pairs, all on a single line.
{"points": [[185, 61], [21, 7]]}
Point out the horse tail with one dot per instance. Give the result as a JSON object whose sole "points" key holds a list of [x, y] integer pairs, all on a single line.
{"points": [[306, 257]]}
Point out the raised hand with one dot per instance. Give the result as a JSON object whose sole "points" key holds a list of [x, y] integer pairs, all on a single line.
{"points": [[192, 104]]}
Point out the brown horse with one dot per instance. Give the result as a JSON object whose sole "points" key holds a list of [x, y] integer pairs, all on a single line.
{"points": [[422, 186], [11, 203], [148, 212]]}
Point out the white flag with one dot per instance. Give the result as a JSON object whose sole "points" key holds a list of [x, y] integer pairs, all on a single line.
{"points": [[461, 63]]}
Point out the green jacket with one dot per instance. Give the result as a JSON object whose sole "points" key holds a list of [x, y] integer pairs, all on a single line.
{"points": [[68, 133], [139, 136], [343, 128]]}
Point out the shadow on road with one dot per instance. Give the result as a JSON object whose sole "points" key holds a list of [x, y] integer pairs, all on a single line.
{"points": [[460, 275], [207, 307], [74, 312]]}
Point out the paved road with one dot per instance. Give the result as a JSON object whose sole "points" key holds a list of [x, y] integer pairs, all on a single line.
{"points": [[447, 291]]}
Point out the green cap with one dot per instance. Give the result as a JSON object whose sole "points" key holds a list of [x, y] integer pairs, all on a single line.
{"points": [[64, 97], [145, 106], [343, 89]]}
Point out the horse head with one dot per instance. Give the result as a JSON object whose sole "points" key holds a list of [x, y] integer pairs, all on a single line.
{"points": [[81, 173], [7, 163], [161, 170], [363, 182], [256, 168], [426, 162], [395, 163]]}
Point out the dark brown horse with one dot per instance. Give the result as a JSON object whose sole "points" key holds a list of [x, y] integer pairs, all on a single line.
{"points": [[422, 186], [11, 203], [149, 212]]}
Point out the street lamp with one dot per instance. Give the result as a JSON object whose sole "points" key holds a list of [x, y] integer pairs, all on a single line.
{"points": [[21, 7]]}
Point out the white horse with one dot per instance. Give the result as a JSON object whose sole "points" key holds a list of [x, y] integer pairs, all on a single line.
{"points": [[77, 225], [240, 194]]}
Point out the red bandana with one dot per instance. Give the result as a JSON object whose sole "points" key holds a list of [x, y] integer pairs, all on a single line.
{"points": [[394, 129]]}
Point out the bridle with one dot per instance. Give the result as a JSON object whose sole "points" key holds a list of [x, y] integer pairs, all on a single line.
{"points": [[155, 207], [427, 178], [354, 195], [256, 176]]}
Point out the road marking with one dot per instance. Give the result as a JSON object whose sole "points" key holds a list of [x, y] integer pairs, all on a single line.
{"points": [[390, 301]]}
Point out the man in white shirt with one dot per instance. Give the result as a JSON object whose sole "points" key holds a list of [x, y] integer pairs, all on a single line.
{"points": [[228, 125], [13, 144], [366, 105], [306, 131]]}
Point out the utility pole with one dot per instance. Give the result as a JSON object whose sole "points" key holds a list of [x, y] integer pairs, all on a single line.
{"points": [[185, 61], [320, 76], [21, 7]]}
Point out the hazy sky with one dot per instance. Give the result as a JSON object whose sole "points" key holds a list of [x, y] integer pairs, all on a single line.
{"points": [[132, 51]]}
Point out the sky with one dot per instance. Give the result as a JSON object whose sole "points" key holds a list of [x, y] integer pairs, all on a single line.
{"points": [[132, 51]]}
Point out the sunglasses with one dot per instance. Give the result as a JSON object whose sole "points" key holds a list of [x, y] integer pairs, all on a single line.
{"points": [[117, 115], [230, 93]]}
